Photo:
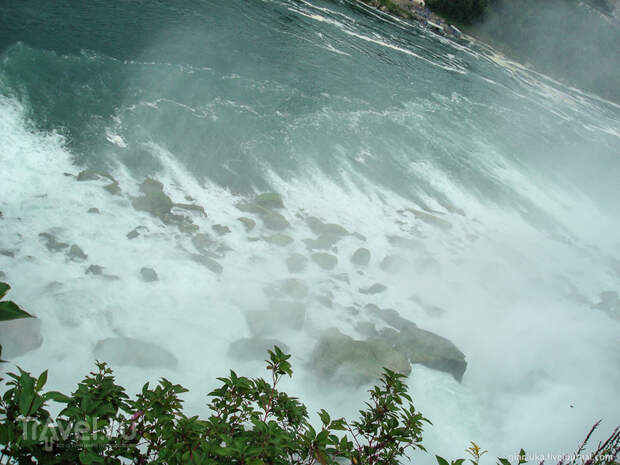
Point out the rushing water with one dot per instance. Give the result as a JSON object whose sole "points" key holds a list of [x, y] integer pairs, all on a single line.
{"points": [[353, 117]]}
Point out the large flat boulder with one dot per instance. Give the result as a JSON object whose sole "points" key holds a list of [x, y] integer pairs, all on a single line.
{"points": [[133, 352]]}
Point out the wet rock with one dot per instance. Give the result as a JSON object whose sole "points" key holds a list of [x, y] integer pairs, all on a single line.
{"points": [[274, 221], [133, 234], [133, 352], [154, 200], [190, 207], [52, 244], [282, 314], [367, 329], [248, 223], [148, 275], [208, 263], [114, 188], [202, 242], [53, 286], [355, 362], [269, 200], [361, 257], [342, 277], [376, 288], [296, 263], [220, 229], [2, 275], [76, 253], [96, 270], [281, 240], [19, 337], [94, 210], [610, 304], [324, 241], [318, 227], [325, 260], [404, 242], [7, 253], [254, 348], [88, 175], [390, 316], [431, 350]]}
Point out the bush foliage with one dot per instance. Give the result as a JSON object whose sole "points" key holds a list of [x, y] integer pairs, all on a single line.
{"points": [[462, 10]]}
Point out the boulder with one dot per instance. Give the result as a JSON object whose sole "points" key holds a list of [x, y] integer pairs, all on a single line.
{"points": [[254, 348], [269, 200], [19, 337], [96, 270], [282, 314], [319, 228], [52, 244], [191, 207], [325, 260], [361, 257], [324, 241], [430, 350], [208, 263], [154, 200], [278, 239], [356, 362], [133, 352], [376, 288], [148, 275], [220, 229], [76, 253], [94, 210], [248, 223], [296, 263], [274, 221], [202, 242]]}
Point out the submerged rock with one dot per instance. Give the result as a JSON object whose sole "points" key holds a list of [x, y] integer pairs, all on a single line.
{"points": [[202, 242], [220, 229], [281, 314], [254, 348], [133, 352], [190, 207], [356, 362], [610, 304], [52, 244], [97, 270], [361, 257], [376, 288], [325, 260], [76, 253], [19, 337], [431, 350], [154, 200], [269, 200], [281, 240], [274, 221], [208, 263], [148, 275], [94, 210], [248, 223], [296, 263], [319, 228]]}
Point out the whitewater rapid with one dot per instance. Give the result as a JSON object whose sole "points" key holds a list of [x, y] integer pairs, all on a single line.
{"points": [[517, 170]]}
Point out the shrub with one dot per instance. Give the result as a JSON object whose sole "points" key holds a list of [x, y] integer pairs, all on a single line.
{"points": [[462, 10]]}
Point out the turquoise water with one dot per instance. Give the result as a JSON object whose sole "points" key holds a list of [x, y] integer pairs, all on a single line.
{"points": [[353, 117]]}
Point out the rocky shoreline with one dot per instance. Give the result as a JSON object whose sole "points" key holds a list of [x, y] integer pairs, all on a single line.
{"points": [[416, 10]]}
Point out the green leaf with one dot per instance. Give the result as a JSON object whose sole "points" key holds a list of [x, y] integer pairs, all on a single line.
{"points": [[441, 460], [57, 397], [41, 381], [522, 457], [11, 311], [503, 461], [4, 288]]}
